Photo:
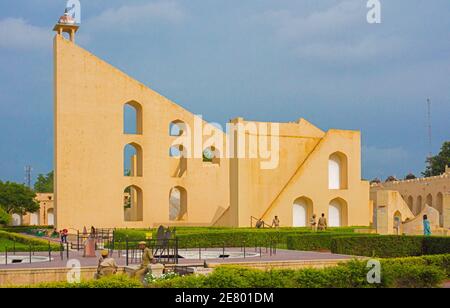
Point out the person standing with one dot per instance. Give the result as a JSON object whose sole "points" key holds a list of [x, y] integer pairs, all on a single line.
{"points": [[322, 225], [276, 222], [426, 226], [313, 222]]}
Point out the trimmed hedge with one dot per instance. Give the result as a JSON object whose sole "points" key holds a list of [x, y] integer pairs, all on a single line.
{"points": [[112, 282], [390, 246], [232, 237], [25, 229], [316, 241], [394, 273], [37, 244]]}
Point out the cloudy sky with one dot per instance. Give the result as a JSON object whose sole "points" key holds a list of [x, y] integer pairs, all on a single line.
{"points": [[268, 60]]}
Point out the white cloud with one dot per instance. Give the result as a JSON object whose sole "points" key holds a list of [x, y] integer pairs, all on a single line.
{"points": [[337, 33], [128, 16], [16, 33]]}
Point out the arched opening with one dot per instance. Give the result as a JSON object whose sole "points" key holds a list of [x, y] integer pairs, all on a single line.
{"points": [[132, 118], [211, 155], [440, 208], [429, 201], [50, 217], [16, 220], [133, 204], [410, 202], [178, 204], [397, 223], [302, 210], [34, 219], [177, 128], [418, 205], [337, 213], [132, 161], [337, 171]]}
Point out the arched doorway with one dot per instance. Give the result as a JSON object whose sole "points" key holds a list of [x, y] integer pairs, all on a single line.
{"points": [[50, 217], [418, 205], [337, 171], [34, 219], [410, 202], [337, 213], [133, 203], [429, 200], [16, 220], [178, 204], [440, 208], [302, 209], [397, 223]]}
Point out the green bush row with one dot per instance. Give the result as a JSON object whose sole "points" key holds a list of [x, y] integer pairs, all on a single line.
{"points": [[25, 229], [402, 273], [112, 282], [217, 237], [36, 244], [387, 246], [316, 241]]}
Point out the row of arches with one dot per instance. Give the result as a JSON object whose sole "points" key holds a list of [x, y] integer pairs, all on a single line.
{"points": [[417, 204], [133, 153], [303, 210], [17, 220]]}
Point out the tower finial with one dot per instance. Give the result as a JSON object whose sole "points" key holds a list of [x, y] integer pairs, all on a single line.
{"points": [[67, 24]]}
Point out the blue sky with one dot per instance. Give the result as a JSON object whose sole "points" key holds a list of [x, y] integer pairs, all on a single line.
{"points": [[268, 60]]}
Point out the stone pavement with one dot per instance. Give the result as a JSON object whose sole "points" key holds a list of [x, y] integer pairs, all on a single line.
{"points": [[119, 256]]}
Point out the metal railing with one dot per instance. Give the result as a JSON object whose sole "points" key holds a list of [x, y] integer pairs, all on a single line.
{"points": [[11, 254]]}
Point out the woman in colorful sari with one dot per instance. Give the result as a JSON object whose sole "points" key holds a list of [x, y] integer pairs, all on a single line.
{"points": [[426, 226]]}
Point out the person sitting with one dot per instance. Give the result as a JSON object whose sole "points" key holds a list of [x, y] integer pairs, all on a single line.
{"points": [[259, 224], [106, 266], [147, 259]]}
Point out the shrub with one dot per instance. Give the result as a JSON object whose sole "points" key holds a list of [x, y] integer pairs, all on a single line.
{"points": [[390, 246], [316, 241], [112, 282], [36, 244], [408, 272], [5, 218], [231, 237]]}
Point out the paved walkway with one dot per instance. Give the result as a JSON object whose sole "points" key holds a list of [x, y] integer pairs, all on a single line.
{"points": [[119, 256]]}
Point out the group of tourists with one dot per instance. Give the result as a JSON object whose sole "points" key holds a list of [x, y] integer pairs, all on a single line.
{"points": [[320, 225]]}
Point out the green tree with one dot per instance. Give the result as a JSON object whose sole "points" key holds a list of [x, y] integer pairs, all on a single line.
{"points": [[17, 198], [44, 183], [5, 218], [436, 164]]}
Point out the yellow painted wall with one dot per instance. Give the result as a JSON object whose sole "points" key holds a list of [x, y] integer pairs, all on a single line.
{"points": [[89, 144]]}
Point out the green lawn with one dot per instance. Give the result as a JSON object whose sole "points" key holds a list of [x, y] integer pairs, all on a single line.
{"points": [[10, 244]]}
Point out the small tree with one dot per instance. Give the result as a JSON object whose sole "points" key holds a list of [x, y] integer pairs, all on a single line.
{"points": [[44, 183], [410, 176], [436, 164], [5, 218], [17, 198]]}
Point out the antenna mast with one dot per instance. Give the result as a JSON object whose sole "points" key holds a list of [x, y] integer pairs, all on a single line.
{"points": [[28, 170]]}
